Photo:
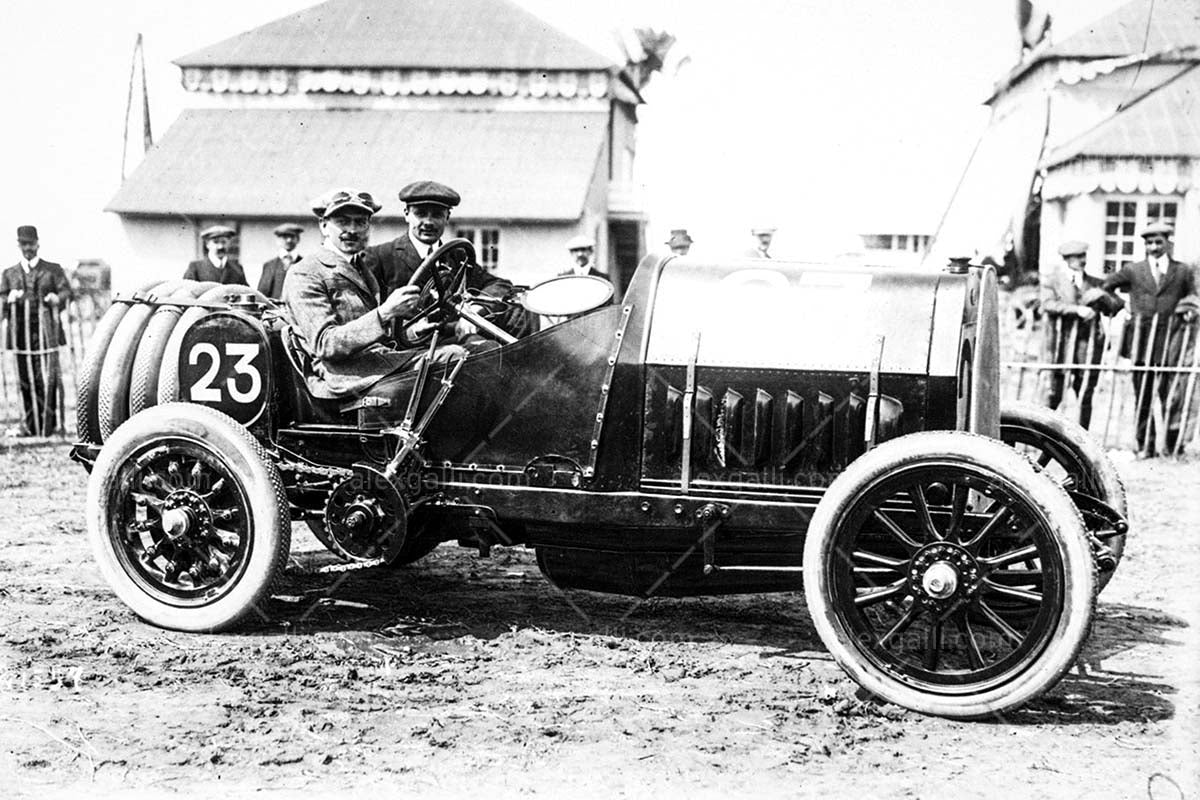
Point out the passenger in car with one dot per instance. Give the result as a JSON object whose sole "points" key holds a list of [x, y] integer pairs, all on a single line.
{"points": [[337, 307]]}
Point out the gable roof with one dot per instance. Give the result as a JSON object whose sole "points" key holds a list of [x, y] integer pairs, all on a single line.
{"points": [[271, 163], [1140, 26], [1162, 123], [1159, 28], [398, 34]]}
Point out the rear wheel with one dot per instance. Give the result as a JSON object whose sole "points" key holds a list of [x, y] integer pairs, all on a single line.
{"points": [[948, 576], [1071, 457], [187, 518]]}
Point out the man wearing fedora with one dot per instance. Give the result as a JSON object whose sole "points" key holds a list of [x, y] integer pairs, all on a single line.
{"points": [[1162, 294], [679, 242], [1073, 301], [270, 282], [583, 251], [34, 291], [217, 266]]}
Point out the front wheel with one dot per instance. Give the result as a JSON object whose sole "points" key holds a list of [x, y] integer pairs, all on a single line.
{"points": [[947, 575], [187, 518]]}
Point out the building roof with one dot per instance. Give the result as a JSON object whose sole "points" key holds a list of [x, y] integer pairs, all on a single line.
{"points": [[1163, 123], [271, 163], [397, 34], [1139, 27]]}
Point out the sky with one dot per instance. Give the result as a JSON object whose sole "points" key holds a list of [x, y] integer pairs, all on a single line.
{"points": [[823, 118]]}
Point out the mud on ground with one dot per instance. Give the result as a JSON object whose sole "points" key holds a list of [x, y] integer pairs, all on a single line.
{"points": [[476, 678]]}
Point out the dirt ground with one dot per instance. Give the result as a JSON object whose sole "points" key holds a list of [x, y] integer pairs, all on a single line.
{"points": [[475, 678]]}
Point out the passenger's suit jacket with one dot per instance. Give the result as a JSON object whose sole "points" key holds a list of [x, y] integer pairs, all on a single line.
{"points": [[333, 306], [592, 271], [203, 270], [46, 278], [394, 263], [1148, 299], [270, 282]]}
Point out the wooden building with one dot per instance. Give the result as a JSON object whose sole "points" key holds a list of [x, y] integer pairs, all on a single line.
{"points": [[1093, 135], [534, 129]]}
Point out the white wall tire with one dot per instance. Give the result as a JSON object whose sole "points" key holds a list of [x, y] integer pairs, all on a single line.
{"points": [[196, 467], [876, 575]]}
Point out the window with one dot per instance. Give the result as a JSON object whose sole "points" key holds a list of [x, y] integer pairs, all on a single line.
{"points": [[1124, 220], [877, 241], [487, 245]]}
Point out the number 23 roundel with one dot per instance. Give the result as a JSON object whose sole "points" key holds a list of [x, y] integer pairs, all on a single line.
{"points": [[224, 364]]}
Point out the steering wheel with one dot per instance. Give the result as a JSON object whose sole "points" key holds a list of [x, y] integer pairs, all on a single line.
{"points": [[443, 281]]}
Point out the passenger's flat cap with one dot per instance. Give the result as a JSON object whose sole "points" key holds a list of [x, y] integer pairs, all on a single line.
{"points": [[757, 231], [289, 228], [1159, 228], [432, 192], [679, 236], [1075, 248], [213, 231], [336, 200], [581, 243], [27, 233]]}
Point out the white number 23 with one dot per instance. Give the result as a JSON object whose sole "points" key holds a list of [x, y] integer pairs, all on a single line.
{"points": [[203, 391]]}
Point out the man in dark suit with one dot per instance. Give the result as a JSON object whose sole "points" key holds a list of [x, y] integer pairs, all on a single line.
{"points": [[427, 206], [583, 251], [270, 282], [1159, 288], [34, 291], [217, 265]]}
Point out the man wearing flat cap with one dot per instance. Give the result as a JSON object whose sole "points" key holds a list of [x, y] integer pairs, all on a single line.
{"points": [[338, 308], [427, 206], [34, 292], [1162, 295], [270, 283], [582, 250], [1072, 302], [679, 242], [216, 266]]}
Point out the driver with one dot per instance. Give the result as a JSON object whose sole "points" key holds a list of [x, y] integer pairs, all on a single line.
{"points": [[335, 305]]}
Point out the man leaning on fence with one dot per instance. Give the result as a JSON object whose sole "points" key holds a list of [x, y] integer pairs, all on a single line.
{"points": [[1162, 304], [1072, 302], [34, 291]]}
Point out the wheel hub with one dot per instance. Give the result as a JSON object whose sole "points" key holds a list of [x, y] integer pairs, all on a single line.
{"points": [[942, 573], [186, 516]]}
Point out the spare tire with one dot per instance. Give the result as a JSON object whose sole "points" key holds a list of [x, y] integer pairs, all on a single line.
{"points": [[113, 397], [147, 362], [87, 405]]}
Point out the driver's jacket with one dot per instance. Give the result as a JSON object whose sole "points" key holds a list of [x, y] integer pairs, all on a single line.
{"points": [[333, 305]]}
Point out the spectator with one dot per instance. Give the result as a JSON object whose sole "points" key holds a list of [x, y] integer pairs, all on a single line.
{"points": [[217, 265], [270, 282], [34, 292], [1072, 300], [763, 238], [679, 243], [583, 251], [1159, 287]]}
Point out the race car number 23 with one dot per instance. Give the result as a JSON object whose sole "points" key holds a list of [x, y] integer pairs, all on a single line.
{"points": [[243, 386]]}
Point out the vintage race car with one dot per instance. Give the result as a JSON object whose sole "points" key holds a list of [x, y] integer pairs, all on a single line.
{"points": [[728, 427]]}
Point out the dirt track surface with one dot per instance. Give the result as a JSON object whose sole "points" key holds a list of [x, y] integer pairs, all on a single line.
{"points": [[475, 678]]}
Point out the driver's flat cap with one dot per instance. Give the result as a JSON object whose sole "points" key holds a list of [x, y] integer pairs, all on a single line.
{"points": [[1072, 249], [432, 192]]}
